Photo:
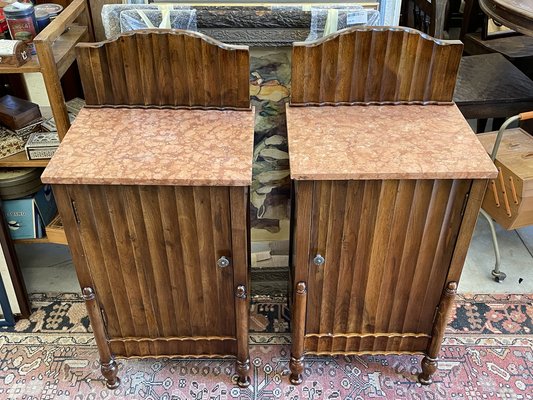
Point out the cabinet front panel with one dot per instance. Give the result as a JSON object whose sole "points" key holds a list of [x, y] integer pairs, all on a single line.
{"points": [[387, 247], [152, 254]]}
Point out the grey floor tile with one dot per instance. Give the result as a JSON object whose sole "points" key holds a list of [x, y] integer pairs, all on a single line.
{"points": [[517, 263], [526, 234], [47, 268]]}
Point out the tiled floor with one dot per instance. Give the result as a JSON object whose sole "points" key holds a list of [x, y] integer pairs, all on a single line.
{"points": [[516, 261], [48, 268]]}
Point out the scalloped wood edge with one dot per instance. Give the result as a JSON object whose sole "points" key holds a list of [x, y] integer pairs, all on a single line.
{"points": [[198, 35], [165, 68], [374, 65]]}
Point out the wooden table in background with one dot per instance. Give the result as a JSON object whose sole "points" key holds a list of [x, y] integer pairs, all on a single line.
{"points": [[515, 14]]}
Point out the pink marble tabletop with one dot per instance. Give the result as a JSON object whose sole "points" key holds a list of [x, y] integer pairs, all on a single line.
{"points": [[384, 142], [155, 147]]}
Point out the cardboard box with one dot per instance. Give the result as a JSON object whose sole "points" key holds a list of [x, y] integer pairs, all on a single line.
{"points": [[55, 232], [27, 217]]}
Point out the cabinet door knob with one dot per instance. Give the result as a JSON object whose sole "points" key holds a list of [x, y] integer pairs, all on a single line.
{"points": [[319, 260], [223, 262]]}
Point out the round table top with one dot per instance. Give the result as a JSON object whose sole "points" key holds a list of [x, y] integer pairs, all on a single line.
{"points": [[515, 14]]}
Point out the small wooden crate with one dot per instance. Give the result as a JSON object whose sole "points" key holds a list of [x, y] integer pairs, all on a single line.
{"points": [[509, 198], [55, 231]]}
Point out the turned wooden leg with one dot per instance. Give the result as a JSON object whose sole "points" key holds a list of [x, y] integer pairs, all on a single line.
{"points": [[243, 357], [429, 362], [296, 363], [109, 371], [107, 362], [429, 366]]}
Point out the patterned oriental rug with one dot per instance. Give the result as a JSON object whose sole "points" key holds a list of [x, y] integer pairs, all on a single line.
{"points": [[487, 354]]}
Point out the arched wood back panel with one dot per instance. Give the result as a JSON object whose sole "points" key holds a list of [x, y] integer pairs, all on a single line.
{"points": [[374, 65], [166, 68]]}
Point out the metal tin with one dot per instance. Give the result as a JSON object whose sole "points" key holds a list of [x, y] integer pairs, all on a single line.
{"points": [[51, 9], [43, 19], [4, 30], [22, 24], [19, 182]]}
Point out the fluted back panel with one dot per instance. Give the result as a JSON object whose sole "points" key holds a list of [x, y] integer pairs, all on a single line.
{"points": [[164, 68], [374, 65]]}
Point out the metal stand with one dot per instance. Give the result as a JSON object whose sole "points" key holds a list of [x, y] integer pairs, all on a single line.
{"points": [[496, 273]]}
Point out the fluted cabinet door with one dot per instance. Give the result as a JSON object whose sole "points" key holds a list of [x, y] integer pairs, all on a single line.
{"points": [[380, 252], [160, 262]]}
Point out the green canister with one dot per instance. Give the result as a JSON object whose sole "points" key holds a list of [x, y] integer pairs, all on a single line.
{"points": [[22, 24]]}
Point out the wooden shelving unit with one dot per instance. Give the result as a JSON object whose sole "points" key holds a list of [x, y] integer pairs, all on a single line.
{"points": [[55, 47], [55, 54], [61, 49], [20, 160], [31, 241]]}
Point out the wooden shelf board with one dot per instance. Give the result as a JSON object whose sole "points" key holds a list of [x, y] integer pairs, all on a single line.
{"points": [[32, 65], [20, 160], [31, 241], [61, 49]]}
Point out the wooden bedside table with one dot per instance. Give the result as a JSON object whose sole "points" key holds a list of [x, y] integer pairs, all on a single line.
{"points": [[386, 197], [152, 186], [154, 204]]}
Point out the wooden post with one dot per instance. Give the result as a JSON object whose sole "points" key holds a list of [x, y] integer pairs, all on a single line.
{"points": [[298, 332], [53, 87], [242, 316], [108, 366], [429, 362]]}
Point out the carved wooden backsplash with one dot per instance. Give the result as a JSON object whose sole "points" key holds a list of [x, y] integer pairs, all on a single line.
{"points": [[374, 65], [165, 68]]}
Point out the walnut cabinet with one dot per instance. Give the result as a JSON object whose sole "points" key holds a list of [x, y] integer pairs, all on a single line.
{"points": [[152, 185], [376, 263], [381, 227], [163, 269], [159, 233], [388, 181]]}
